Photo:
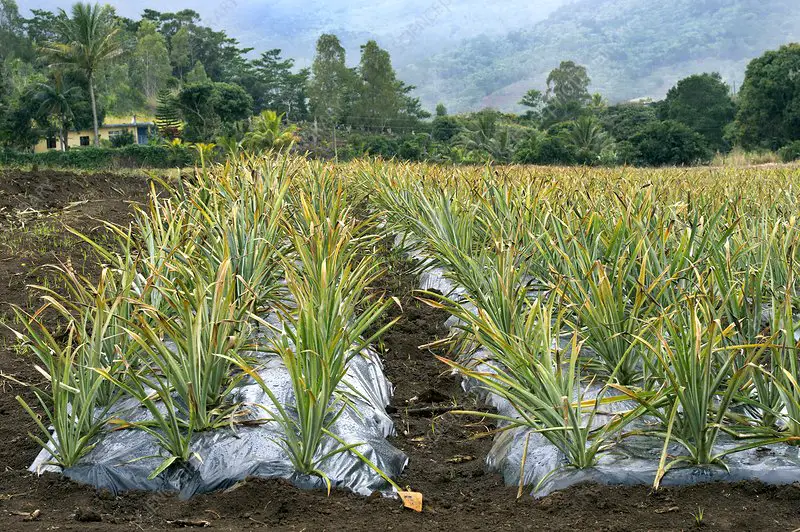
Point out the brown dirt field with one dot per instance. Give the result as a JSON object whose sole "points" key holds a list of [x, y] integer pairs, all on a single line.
{"points": [[446, 462]]}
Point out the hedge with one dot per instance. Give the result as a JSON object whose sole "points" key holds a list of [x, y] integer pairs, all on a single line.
{"points": [[91, 158]]}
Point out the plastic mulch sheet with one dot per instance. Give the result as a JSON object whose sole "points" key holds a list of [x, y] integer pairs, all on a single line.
{"points": [[122, 460], [634, 460]]}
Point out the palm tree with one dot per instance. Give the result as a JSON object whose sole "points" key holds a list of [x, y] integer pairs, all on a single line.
{"points": [[485, 135], [88, 39], [268, 133], [56, 100], [588, 138]]}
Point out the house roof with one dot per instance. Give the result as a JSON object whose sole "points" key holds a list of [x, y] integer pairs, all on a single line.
{"points": [[128, 124]]}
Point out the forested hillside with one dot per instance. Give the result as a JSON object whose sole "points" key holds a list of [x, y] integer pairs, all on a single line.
{"points": [[632, 49], [471, 54], [410, 30], [63, 72]]}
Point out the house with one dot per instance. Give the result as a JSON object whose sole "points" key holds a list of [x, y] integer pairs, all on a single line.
{"points": [[140, 130]]}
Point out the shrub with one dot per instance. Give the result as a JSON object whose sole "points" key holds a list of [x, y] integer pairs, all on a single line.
{"points": [[269, 134], [123, 139], [790, 152], [554, 150], [544, 148], [445, 128], [376, 145], [414, 147], [670, 143], [529, 150]]}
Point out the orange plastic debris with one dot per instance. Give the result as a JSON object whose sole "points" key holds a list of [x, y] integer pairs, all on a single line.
{"points": [[412, 499]]}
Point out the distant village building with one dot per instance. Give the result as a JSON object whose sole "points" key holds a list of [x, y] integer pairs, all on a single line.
{"points": [[141, 131]]}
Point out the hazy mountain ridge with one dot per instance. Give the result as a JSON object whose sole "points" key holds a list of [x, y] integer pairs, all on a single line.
{"points": [[410, 30], [473, 53], [633, 48]]}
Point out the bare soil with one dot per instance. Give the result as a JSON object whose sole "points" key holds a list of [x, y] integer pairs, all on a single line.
{"points": [[446, 454]]}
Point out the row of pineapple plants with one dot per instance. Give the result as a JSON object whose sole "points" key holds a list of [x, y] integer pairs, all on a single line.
{"points": [[172, 321], [677, 301]]}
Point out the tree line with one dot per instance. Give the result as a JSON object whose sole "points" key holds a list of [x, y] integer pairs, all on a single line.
{"points": [[69, 69]]}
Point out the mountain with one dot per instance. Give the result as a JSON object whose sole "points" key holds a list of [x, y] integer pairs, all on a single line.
{"points": [[411, 30], [632, 48], [473, 53]]}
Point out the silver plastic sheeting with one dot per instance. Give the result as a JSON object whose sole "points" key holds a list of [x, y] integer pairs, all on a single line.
{"points": [[123, 460], [434, 279], [632, 461]]}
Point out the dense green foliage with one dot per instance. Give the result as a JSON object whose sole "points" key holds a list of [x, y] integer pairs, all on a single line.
{"points": [[268, 134], [769, 104], [790, 152], [202, 87], [669, 143], [86, 40], [633, 48], [703, 103], [210, 108]]}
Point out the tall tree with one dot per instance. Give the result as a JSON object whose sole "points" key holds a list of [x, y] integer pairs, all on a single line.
{"points": [[18, 128], [331, 80], [381, 100], [169, 24], [42, 27], [12, 41], [180, 52], [769, 102], [216, 51], [55, 100], [567, 93], [702, 102], [535, 101], [89, 39], [276, 87], [150, 61], [190, 42], [378, 98], [569, 83]]}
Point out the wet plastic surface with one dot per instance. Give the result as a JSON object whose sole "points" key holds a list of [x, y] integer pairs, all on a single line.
{"points": [[634, 461], [123, 459]]}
